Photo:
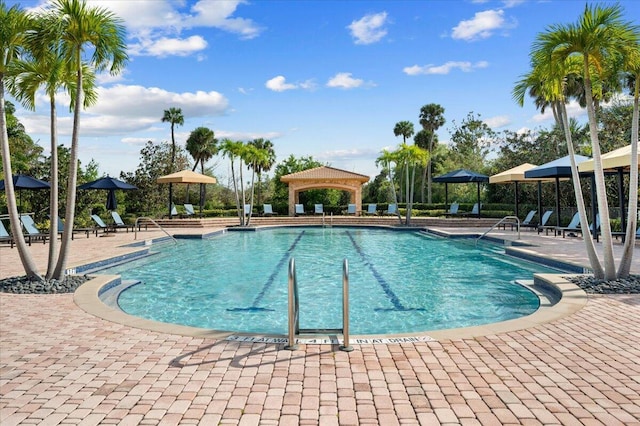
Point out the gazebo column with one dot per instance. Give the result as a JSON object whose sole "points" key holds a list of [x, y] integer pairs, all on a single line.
{"points": [[293, 198]]}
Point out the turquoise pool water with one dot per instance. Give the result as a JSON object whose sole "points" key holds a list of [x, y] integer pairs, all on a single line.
{"points": [[400, 282]]}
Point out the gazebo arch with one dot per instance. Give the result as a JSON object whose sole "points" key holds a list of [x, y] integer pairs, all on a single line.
{"points": [[324, 177]]}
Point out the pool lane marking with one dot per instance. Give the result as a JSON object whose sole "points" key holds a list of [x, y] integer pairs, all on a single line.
{"points": [[254, 307], [393, 298]]}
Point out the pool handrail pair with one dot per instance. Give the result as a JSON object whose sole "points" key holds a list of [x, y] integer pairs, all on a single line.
{"points": [[294, 310]]}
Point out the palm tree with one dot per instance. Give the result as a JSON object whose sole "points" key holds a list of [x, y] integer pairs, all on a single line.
{"points": [[388, 159], [404, 129], [233, 150], [173, 116], [252, 157], [268, 160], [202, 145], [431, 119], [599, 39], [83, 31], [412, 157], [632, 66], [14, 24]]}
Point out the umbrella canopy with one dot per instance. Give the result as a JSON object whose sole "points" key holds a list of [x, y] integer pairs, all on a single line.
{"points": [[516, 175], [186, 176], [556, 169], [110, 184], [461, 176], [26, 182], [21, 182], [617, 159]]}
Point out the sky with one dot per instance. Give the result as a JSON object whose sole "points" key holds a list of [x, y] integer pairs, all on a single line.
{"points": [[326, 79]]}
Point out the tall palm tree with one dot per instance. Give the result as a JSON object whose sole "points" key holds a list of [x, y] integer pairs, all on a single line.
{"points": [[412, 157], [173, 116], [599, 38], [95, 37], [14, 24], [202, 145], [431, 119], [404, 129], [388, 159], [267, 162], [233, 150], [632, 68], [45, 67], [252, 156]]}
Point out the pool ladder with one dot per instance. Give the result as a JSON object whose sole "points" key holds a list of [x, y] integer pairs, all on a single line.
{"points": [[294, 311]]}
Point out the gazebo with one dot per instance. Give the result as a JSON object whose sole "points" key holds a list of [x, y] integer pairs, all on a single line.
{"points": [[324, 177], [185, 177], [461, 176]]}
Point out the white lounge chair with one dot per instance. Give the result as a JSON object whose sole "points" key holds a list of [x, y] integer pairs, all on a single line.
{"points": [[351, 209], [299, 209], [267, 210], [392, 210], [372, 209], [318, 209]]}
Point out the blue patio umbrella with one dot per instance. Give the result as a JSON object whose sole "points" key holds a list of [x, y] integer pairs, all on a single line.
{"points": [[461, 176], [110, 184], [557, 169], [21, 182]]}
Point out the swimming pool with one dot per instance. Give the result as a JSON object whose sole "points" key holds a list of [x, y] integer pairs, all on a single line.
{"points": [[400, 282]]}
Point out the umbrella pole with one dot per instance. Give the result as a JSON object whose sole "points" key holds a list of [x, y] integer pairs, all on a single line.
{"points": [[517, 199], [479, 204], [558, 201], [170, 199], [540, 202]]}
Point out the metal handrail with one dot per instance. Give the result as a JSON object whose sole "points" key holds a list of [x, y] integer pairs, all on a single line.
{"points": [[498, 223], [294, 306], [345, 307], [135, 228]]}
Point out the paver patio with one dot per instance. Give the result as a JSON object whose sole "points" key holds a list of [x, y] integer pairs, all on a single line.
{"points": [[61, 365]]}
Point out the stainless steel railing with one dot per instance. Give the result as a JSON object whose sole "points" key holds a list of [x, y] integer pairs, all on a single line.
{"points": [[148, 219], [498, 223]]}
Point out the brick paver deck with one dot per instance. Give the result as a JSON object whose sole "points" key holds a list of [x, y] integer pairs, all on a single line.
{"points": [[61, 365]]}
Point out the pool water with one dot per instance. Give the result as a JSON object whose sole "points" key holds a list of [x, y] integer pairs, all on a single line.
{"points": [[400, 282]]}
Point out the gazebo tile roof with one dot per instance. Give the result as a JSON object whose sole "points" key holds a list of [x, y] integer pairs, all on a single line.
{"points": [[324, 173]]}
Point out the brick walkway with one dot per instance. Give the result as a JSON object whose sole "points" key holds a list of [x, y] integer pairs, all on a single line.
{"points": [[60, 365]]}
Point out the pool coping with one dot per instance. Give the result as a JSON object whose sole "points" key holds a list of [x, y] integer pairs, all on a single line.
{"points": [[567, 298]]}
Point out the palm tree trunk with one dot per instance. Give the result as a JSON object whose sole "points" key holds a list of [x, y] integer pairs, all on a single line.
{"points": [[577, 189], [235, 190], [253, 174], [28, 264], [629, 243], [601, 189], [53, 194], [69, 217]]}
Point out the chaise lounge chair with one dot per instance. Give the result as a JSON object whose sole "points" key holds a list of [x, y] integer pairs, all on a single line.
{"points": [[475, 211], [4, 235], [623, 234], [526, 222], [188, 210], [267, 210], [31, 230], [87, 231], [118, 222], [351, 209], [318, 209], [372, 209], [299, 210], [542, 226], [453, 209], [391, 210], [573, 226], [101, 225]]}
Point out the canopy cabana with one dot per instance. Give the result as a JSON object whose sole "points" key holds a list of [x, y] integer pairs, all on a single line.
{"points": [[461, 176], [557, 169], [516, 175], [186, 177], [616, 161]]}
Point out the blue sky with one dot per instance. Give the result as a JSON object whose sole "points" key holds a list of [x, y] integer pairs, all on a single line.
{"points": [[328, 79]]}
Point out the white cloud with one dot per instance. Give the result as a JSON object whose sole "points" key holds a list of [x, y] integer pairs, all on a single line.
{"points": [[445, 68], [574, 110], [279, 84], [498, 121], [155, 26], [369, 29], [343, 80], [482, 25]]}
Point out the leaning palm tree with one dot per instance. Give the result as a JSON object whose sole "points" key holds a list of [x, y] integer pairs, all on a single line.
{"points": [[599, 39], [202, 145], [173, 116], [233, 150], [14, 24], [45, 67], [431, 119], [95, 37]]}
